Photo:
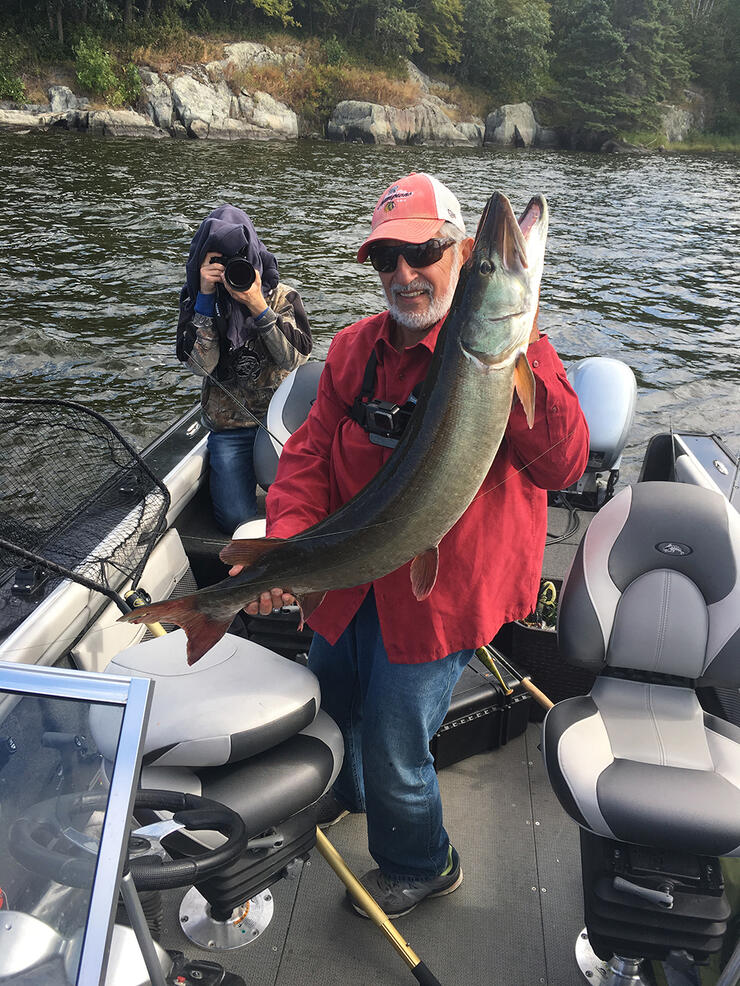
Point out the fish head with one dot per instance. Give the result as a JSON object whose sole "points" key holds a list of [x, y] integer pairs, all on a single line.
{"points": [[498, 291]]}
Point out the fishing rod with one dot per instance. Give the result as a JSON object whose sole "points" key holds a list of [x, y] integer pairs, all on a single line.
{"points": [[485, 656]]}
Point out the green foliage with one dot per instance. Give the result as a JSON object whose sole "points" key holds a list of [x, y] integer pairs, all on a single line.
{"points": [[653, 62], [727, 123], [589, 67], [505, 46], [599, 65], [276, 9], [334, 51], [440, 31], [129, 87], [397, 29], [12, 87], [710, 36], [94, 66], [96, 72]]}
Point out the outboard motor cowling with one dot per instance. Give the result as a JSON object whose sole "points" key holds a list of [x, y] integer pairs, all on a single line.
{"points": [[607, 392]]}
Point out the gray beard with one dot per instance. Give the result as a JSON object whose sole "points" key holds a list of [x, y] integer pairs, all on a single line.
{"points": [[438, 307]]}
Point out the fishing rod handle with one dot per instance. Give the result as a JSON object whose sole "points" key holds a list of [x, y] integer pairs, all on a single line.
{"points": [[536, 694], [424, 976]]}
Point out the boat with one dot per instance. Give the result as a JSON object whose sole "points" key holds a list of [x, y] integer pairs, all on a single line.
{"points": [[237, 750]]}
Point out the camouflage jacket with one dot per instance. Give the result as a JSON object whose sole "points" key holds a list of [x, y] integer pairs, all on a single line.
{"points": [[277, 343]]}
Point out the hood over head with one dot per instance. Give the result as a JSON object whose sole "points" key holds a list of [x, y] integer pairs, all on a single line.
{"points": [[229, 231]]}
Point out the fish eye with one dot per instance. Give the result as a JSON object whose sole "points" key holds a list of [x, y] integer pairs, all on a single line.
{"points": [[486, 267]]}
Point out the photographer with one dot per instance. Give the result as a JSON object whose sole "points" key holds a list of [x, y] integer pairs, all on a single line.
{"points": [[243, 331]]}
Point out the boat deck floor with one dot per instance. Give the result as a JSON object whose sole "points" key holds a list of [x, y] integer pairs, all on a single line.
{"points": [[513, 921]]}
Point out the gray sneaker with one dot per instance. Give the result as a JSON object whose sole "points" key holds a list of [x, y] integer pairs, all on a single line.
{"points": [[399, 895], [329, 811]]}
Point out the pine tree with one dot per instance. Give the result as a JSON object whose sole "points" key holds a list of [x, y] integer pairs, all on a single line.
{"points": [[653, 60], [505, 46], [589, 67], [440, 28]]}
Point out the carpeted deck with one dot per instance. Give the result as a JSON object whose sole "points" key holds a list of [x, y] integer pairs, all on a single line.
{"points": [[513, 922]]}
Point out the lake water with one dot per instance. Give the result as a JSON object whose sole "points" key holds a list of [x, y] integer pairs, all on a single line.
{"points": [[642, 261]]}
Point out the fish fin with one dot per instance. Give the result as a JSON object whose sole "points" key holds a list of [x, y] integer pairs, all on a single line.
{"points": [[201, 630], [309, 604], [424, 570], [246, 551], [525, 386]]}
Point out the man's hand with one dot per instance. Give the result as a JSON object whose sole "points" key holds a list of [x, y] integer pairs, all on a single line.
{"points": [[268, 601]]}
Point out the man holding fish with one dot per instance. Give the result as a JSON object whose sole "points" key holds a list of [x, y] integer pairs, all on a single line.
{"points": [[408, 547], [388, 652]]}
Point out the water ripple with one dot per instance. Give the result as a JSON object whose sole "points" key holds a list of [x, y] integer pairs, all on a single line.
{"points": [[641, 264]]}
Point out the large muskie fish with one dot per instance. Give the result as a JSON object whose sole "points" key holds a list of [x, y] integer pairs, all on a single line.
{"points": [[435, 470]]}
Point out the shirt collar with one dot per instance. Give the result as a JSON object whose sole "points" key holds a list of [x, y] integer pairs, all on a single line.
{"points": [[383, 340]]}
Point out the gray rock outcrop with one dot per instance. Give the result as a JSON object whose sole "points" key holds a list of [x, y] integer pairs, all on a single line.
{"points": [[373, 123], [158, 99], [62, 99], [122, 123], [511, 125], [678, 121]]}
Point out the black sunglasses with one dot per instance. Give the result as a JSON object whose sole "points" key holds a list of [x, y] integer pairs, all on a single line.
{"points": [[384, 257]]}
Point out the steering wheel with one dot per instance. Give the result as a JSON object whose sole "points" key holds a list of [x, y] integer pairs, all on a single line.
{"points": [[42, 838]]}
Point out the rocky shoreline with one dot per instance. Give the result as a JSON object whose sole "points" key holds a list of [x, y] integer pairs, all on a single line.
{"points": [[198, 102]]}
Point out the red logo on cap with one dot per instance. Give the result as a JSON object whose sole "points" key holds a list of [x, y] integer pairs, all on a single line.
{"points": [[388, 202]]}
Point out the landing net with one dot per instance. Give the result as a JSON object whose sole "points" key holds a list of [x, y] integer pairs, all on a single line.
{"points": [[75, 492]]}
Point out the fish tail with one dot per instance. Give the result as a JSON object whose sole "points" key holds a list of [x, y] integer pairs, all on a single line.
{"points": [[203, 631]]}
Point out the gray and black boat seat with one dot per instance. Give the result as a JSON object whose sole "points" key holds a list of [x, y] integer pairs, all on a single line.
{"points": [[242, 727], [652, 603]]}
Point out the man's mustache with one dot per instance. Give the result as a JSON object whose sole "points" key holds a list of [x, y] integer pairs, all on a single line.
{"points": [[418, 284]]}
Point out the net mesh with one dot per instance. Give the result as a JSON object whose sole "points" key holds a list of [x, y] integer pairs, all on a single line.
{"points": [[73, 491]]}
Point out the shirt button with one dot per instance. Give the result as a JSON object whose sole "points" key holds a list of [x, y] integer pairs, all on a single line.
{"points": [[535, 362], [401, 376]]}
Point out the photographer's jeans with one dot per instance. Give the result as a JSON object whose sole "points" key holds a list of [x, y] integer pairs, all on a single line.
{"points": [[232, 480], [387, 714]]}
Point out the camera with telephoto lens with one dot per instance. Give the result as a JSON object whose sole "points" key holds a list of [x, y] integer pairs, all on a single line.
{"points": [[238, 272]]}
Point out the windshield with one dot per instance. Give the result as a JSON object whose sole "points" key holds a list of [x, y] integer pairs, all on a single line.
{"points": [[53, 798]]}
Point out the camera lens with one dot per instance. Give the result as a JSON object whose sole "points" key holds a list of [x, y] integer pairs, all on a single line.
{"points": [[239, 273]]}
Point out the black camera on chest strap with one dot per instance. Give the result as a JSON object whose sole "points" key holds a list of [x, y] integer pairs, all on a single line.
{"points": [[384, 421]]}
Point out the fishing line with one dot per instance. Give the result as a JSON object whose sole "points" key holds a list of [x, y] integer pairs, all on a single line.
{"points": [[235, 399], [479, 495]]}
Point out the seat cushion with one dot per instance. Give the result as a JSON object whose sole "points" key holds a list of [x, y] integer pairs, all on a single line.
{"points": [[237, 701], [643, 763], [268, 788]]}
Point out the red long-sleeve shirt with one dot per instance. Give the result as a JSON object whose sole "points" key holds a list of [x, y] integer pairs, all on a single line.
{"points": [[490, 562]]}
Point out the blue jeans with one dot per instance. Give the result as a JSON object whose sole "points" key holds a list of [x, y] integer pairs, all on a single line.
{"points": [[387, 714], [232, 480]]}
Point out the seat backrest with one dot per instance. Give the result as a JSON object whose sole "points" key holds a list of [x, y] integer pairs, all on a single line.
{"points": [[288, 409], [655, 586]]}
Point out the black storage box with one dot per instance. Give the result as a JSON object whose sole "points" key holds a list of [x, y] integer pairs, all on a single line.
{"points": [[481, 715], [279, 632], [536, 653]]}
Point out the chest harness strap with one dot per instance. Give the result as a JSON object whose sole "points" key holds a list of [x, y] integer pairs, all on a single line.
{"points": [[384, 421]]}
